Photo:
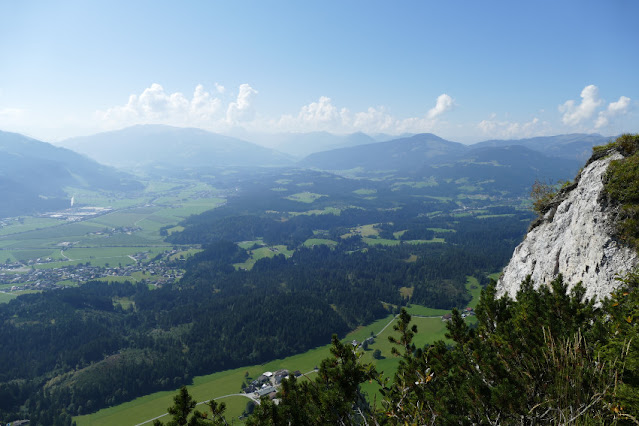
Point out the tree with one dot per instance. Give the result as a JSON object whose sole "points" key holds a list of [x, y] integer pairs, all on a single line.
{"points": [[184, 405], [377, 354], [334, 396]]}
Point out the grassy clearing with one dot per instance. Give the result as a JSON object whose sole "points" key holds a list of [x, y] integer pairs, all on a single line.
{"points": [[305, 197], [248, 244], [319, 242], [495, 275], [399, 234], [430, 182], [424, 311], [473, 287], [488, 216], [327, 210], [380, 242], [23, 224], [434, 240], [406, 292], [7, 297], [441, 230], [363, 191], [367, 230], [261, 253], [185, 254]]}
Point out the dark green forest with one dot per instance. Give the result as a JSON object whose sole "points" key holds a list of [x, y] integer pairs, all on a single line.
{"points": [[76, 350]]}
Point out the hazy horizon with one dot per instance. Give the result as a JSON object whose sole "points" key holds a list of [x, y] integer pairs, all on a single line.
{"points": [[464, 71]]}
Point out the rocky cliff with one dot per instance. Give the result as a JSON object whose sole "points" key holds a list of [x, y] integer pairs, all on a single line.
{"points": [[575, 238]]}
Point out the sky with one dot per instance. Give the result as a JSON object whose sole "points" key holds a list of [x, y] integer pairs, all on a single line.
{"points": [[464, 70]]}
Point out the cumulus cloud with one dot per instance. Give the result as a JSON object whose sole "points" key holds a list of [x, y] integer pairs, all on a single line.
{"points": [[444, 103], [155, 105], [209, 110], [614, 109], [323, 115], [241, 110], [574, 114], [506, 129]]}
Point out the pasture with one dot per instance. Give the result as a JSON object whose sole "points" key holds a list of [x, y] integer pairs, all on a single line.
{"points": [[319, 242], [260, 253], [305, 197]]}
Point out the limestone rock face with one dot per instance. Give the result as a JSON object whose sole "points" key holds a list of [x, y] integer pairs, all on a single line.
{"points": [[573, 238]]}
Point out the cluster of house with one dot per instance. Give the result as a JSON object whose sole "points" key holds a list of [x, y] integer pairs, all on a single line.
{"points": [[120, 230], [465, 313], [267, 383], [368, 341], [22, 277]]}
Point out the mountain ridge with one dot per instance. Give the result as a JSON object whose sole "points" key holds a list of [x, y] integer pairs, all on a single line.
{"points": [[33, 175], [149, 145]]}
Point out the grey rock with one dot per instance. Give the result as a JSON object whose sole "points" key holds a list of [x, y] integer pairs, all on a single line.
{"points": [[575, 238]]}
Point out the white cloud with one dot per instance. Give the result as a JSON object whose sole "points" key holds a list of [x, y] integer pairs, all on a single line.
{"points": [[505, 129], [220, 89], [155, 105], [444, 103], [374, 120], [573, 114], [241, 110], [323, 115], [614, 109]]}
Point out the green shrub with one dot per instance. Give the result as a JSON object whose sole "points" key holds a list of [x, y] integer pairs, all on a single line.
{"points": [[621, 184]]}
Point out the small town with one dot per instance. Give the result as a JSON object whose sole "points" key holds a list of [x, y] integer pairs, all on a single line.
{"points": [[27, 276]]}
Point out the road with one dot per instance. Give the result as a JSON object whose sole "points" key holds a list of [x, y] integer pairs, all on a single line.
{"points": [[249, 396]]}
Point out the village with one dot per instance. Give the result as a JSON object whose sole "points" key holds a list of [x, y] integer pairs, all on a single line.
{"points": [[27, 276]]}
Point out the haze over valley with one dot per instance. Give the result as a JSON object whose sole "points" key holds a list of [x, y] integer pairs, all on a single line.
{"points": [[278, 213]]}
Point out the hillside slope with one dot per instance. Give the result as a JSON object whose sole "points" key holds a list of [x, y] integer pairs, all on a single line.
{"points": [[33, 175]]}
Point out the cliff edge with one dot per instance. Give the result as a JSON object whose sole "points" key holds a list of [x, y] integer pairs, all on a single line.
{"points": [[574, 237]]}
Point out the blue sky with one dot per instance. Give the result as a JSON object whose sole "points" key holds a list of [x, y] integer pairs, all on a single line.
{"points": [[465, 70]]}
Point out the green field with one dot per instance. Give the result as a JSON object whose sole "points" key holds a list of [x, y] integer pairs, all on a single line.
{"points": [[108, 238], [319, 242], [262, 252], [23, 224], [365, 191], [326, 210], [305, 197], [228, 382], [380, 242], [7, 297]]}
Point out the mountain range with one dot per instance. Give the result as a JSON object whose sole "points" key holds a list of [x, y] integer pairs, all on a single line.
{"points": [[34, 175], [166, 147]]}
